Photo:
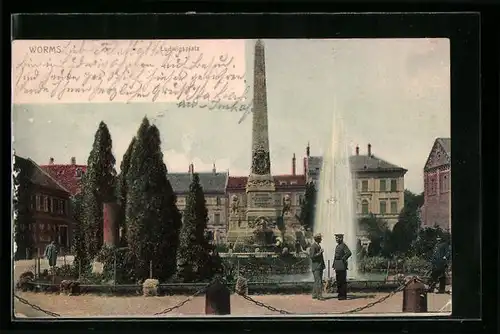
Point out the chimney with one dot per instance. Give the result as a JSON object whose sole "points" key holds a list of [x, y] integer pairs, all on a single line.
{"points": [[308, 150], [73, 160], [214, 170], [357, 150], [369, 150], [51, 161], [191, 168], [305, 166], [293, 165]]}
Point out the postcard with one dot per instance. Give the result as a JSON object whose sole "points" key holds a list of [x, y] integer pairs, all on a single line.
{"points": [[194, 178]]}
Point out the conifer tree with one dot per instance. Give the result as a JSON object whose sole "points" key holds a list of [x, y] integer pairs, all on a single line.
{"points": [[308, 206], [192, 254], [121, 190], [79, 250], [23, 218], [98, 188]]}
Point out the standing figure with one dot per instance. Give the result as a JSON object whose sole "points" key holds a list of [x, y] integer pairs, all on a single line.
{"points": [[342, 254], [51, 254], [439, 262], [317, 266]]}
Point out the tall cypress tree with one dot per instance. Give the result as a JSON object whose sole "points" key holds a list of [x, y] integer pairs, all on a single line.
{"points": [[98, 188], [23, 218], [192, 254], [138, 206], [166, 216], [121, 189], [308, 206], [79, 249]]}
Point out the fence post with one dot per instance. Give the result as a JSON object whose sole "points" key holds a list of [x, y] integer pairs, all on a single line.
{"points": [[218, 299], [79, 270], [35, 269], [114, 269], [328, 269], [151, 269], [38, 259]]}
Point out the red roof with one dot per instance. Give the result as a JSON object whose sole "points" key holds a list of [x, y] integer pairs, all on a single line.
{"points": [[67, 175], [281, 181]]}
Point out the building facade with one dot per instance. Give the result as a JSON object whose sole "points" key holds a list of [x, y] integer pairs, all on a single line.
{"points": [[214, 187], [50, 208], [436, 210], [378, 184]]}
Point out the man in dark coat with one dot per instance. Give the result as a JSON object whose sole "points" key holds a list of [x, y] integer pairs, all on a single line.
{"points": [[317, 266], [342, 254], [439, 262]]}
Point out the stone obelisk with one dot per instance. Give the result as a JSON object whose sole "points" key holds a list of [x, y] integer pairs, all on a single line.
{"points": [[260, 185]]}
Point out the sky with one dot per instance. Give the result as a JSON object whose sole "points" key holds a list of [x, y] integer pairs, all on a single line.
{"points": [[391, 93]]}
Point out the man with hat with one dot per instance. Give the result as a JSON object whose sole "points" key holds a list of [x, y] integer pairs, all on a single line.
{"points": [[317, 266], [342, 254], [439, 262]]}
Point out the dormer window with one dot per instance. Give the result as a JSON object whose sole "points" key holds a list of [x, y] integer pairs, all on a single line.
{"points": [[293, 182], [78, 172], [282, 183]]}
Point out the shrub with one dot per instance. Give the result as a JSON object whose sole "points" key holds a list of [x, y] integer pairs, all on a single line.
{"points": [[373, 263], [70, 287], [67, 271], [241, 287], [124, 265], [416, 265], [25, 280], [150, 287]]}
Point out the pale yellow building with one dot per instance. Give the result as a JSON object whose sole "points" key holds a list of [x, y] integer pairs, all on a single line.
{"points": [[379, 185], [214, 187]]}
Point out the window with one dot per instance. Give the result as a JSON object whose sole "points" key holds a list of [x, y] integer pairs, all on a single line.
{"points": [[46, 203], [78, 172], [364, 206], [217, 200], [63, 207], [432, 185], [394, 207], [383, 186], [38, 203], [293, 182], [217, 219], [33, 202], [383, 209], [282, 183], [444, 183], [49, 204], [394, 185], [301, 199], [364, 185], [56, 207]]}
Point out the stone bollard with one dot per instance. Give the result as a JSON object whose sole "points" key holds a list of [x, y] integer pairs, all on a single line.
{"points": [[415, 297], [150, 287], [218, 299]]}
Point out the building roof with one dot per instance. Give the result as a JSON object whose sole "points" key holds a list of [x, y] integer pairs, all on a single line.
{"points": [[361, 163], [213, 183], [39, 176], [67, 175], [280, 181], [446, 144]]}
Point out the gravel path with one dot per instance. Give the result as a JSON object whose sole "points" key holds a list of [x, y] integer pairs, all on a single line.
{"points": [[94, 305]]}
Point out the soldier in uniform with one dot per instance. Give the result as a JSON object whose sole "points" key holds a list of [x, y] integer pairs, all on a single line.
{"points": [[439, 263], [317, 266], [342, 254]]}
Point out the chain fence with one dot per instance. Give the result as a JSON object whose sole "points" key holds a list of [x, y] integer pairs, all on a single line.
{"points": [[256, 302], [36, 307]]}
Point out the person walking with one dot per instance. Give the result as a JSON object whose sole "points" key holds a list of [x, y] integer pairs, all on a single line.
{"points": [[439, 262], [51, 254], [317, 266], [342, 254]]}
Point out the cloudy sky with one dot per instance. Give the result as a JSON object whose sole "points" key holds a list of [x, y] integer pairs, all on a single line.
{"points": [[394, 94]]}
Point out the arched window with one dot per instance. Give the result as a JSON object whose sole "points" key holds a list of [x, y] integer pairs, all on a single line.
{"points": [[364, 207]]}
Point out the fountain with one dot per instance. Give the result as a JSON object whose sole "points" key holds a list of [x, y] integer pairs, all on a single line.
{"points": [[335, 210]]}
